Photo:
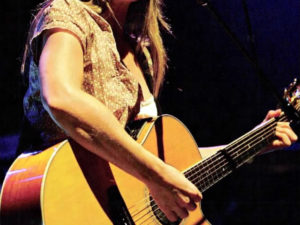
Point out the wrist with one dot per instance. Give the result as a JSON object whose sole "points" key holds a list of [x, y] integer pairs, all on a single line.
{"points": [[153, 171]]}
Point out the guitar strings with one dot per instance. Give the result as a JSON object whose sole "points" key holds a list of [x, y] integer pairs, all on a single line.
{"points": [[214, 159], [218, 179], [231, 148], [229, 151], [146, 208], [219, 170], [236, 155], [268, 135], [149, 206], [158, 209], [136, 212], [152, 216], [151, 222]]}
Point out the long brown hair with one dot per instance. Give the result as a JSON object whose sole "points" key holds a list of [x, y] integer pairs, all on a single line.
{"points": [[151, 19], [148, 19]]}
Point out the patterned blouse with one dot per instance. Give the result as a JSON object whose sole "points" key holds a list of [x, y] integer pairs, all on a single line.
{"points": [[105, 77]]}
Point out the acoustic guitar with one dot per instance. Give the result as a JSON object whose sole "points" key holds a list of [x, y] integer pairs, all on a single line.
{"points": [[67, 185]]}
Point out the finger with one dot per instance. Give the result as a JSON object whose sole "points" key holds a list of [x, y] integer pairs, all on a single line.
{"points": [[284, 127], [171, 215], [283, 139], [277, 144], [283, 124], [272, 113], [184, 201], [193, 193], [181, 212], [196, 196]]}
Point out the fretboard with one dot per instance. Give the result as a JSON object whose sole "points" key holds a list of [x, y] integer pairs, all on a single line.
{"points": [[213, 169]]}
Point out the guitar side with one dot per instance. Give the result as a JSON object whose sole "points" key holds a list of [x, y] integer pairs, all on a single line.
{"points": [[50, 188], [20, 194], [66, 184]]}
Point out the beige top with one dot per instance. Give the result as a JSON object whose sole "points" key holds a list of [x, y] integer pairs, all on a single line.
{"points": [[105, 77]]}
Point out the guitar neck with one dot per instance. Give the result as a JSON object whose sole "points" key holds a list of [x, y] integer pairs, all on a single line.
{"points": [[208, 172]]}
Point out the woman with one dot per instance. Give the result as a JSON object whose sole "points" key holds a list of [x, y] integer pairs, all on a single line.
{"points": [[87, 75]]}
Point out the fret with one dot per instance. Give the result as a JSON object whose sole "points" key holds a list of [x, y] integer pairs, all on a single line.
{"points": [[213, 169]]}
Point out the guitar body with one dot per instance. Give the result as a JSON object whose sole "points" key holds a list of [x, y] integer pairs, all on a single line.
{"points": [[66, 184]]}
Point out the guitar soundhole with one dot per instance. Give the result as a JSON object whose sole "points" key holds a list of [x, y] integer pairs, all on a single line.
{"points": [[160, 216]]}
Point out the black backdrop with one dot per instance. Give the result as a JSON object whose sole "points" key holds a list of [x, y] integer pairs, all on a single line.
{"points": [[211, 87]]}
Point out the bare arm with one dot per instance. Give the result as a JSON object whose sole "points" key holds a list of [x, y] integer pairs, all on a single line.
{"points": [[91, 124]]}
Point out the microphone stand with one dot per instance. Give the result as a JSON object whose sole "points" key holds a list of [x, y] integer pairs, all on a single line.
{"points": [[288, 109]]}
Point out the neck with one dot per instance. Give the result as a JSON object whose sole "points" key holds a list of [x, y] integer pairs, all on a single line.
{"points": [[120, 10]]}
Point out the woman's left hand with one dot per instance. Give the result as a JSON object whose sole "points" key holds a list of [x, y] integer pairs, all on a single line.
{"points": [[285, 136]]}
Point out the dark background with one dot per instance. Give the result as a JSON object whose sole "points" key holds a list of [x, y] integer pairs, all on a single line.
{"points": [[211, 87]]}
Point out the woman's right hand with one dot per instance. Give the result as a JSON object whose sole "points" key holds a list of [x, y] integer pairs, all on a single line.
{"points": [[174, 193]]}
